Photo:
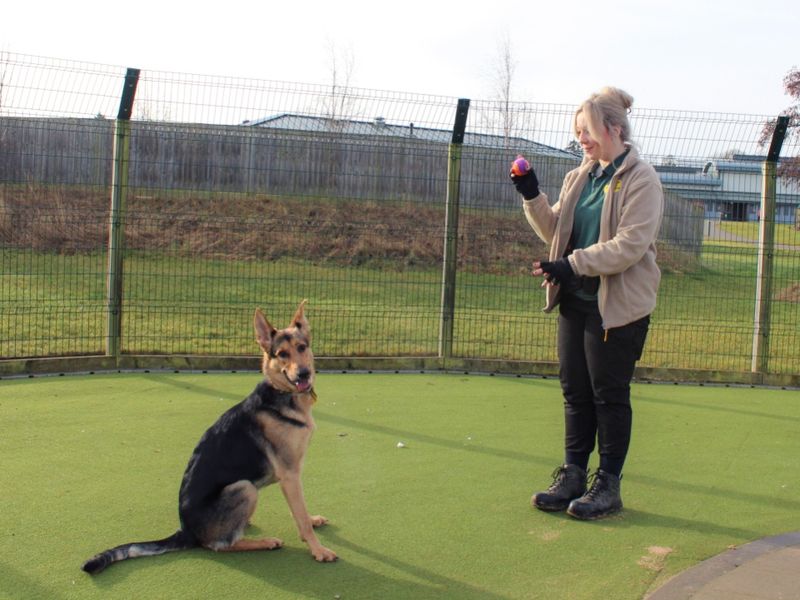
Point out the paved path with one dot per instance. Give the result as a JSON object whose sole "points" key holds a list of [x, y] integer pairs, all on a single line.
{"points": [[767, 569], [713, 231]]}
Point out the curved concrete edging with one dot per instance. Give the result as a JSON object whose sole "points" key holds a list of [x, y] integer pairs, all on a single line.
{"points": [[765, 569]]}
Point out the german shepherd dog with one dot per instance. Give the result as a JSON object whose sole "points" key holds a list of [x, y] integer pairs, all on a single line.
{"points": [[261, 440]]}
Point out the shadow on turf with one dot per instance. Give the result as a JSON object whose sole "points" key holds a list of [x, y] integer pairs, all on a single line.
{"points": [[633, 517], [322, 417], [757, 500], [293, 570], [406, 434], [714, 407], [27, 586], [188, 386]]}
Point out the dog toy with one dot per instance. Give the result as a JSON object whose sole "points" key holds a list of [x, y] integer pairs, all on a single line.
{"points": [[520, 166]]}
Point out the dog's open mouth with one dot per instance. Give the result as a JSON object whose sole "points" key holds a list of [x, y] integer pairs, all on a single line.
{"points": [[303, 385]]}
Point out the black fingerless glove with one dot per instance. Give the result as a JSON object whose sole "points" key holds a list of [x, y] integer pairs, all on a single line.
{"points": [[558, 272], [526, 183]]}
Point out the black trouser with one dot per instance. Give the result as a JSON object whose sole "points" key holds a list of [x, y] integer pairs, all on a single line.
{"points": [[596, 368]]}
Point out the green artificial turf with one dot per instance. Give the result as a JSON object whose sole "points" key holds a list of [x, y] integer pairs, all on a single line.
{"points": [[89, 462]]}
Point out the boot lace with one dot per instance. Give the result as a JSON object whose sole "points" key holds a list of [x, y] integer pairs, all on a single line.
{"points": [[558, 475], [595, 484]]}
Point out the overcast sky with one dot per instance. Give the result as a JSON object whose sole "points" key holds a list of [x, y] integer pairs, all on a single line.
{"points": [[685, 55]]}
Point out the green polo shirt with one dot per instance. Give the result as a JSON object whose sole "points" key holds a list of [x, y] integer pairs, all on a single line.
{"points": [[586, 222]]}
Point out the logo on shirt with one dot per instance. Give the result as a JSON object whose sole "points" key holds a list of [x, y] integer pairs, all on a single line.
{"points": [[617, 187]]}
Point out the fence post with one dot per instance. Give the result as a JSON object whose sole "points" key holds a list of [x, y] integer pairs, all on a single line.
{"points": [[766, 252], [116, 222], [450, 259]]}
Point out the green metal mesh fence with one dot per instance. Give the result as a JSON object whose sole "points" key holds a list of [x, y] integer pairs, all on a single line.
{"points": [[244, 193]]}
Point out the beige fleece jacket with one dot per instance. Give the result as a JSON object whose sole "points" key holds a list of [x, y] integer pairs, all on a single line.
{"points": [[625, 254]]}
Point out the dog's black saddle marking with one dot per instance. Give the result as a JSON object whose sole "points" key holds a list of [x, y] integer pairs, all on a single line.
{"points": [[232, 449], [276, 403], [277, 414]]}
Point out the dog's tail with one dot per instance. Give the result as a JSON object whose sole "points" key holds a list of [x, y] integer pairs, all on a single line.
{"points": [[177, 541]]}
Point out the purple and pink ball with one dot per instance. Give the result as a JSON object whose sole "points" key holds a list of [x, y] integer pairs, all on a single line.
{"points": [[520, 166]]}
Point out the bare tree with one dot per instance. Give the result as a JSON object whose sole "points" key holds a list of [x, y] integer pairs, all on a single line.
{"points": [[151, 111], [4, 61], [789, 168], [3, 67], [505, 114], [504, 80], [337, 104]]}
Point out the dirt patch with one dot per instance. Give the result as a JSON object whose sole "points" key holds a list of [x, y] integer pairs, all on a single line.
{"points": [[655, 559], [789, 294], [550, 536], [391, 235]]}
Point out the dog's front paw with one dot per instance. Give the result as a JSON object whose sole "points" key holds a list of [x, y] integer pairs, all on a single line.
{"points": [[323, 554], [318, 521]]}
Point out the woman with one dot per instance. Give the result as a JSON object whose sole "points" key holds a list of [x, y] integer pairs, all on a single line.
{"points": [[603, 276]]}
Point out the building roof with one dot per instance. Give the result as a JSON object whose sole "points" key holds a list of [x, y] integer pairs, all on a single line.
{"points": [[688, 179], [742, 163], [739, 166], [676, 176], [381, 128]]}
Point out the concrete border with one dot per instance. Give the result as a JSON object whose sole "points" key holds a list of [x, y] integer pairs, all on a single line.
{"points": [[750, 564]]}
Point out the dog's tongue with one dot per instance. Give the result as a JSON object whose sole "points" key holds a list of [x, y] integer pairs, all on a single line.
{"points": [[303, 386]]}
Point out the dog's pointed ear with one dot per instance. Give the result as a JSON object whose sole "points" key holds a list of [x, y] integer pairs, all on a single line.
{"points": [[299, 320], [264, 331]]}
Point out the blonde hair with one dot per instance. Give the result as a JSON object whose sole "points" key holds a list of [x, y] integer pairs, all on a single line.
{"points": [[605, 109]]}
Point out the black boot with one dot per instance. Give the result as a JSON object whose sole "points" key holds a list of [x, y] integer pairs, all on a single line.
{"points": [[600, 501], [569, 482]]}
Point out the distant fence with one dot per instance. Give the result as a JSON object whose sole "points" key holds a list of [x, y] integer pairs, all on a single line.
{"points": [[241, 193], [259, 160]]}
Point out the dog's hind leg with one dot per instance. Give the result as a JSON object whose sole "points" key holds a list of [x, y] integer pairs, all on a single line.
{"points": [[246, 545], [227, 519]]}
